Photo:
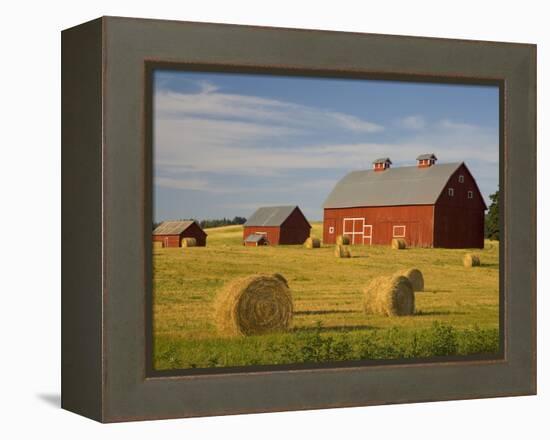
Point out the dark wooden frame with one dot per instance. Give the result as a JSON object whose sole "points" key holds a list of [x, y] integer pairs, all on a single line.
{"points": [[106, 278]]}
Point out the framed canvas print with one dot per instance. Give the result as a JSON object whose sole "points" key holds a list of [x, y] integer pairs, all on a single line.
{"points": [[263, 219]]}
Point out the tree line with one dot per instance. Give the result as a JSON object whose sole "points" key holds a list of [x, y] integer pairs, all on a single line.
{"points": [[212, 223], [491, 219]]}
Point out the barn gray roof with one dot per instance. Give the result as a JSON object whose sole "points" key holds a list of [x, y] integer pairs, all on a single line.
{"points": [[270, 215], [172, 227], [393, 187]]}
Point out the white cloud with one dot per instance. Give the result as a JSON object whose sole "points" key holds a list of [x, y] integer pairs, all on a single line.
{"points": [[203, 138], [182, 183], [413, 122], [232, 159], [209, 103], [355, 124], [207, 87]]}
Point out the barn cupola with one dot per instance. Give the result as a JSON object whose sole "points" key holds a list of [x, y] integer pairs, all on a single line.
{"points": [[381, 164], [425, 160]]}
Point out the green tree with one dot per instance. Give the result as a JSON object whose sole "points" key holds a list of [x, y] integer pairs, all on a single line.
{"points": [[491, 219]]}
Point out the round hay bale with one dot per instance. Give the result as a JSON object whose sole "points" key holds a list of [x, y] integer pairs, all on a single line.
{"points": [[342, 251], [281, 278], [343, 240], [312, 243], [398, 243], [471, 260], [158, 244], [389, 296], [415, 277], [188, 242], [253, 305]]}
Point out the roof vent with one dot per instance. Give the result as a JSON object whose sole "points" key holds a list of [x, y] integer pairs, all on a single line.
{"points": [[425, 160], [381, 164]]}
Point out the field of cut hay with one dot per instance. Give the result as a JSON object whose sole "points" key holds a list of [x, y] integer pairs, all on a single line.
{"points": [[456, 314]]}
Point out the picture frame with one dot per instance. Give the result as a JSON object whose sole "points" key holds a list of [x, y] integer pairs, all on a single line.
{"points": [[106, 213]]}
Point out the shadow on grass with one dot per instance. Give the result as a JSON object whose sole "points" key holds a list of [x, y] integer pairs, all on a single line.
{"points": [[435, 291], [489, 265], [436, 313], [325, 312], [333, 328]]}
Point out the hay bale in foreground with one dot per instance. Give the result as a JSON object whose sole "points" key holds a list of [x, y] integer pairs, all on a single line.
{"points": [[158, 244], [343, 240], [281, 278], [254, 305], [188, 242], [415, 277], [312, 243], [398, 243], [342, 251], [471, 260], [389, 296]]}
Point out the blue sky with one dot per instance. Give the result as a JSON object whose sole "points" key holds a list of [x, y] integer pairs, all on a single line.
{"points": [[227, 143]]}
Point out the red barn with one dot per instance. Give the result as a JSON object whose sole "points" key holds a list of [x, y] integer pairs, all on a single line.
{"points": [[278, 224], [171, 233], [428, 205]]}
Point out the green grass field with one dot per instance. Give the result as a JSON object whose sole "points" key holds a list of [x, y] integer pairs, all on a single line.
{"points": [[457, 314]]}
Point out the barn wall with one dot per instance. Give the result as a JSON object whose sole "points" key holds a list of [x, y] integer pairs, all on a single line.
{"points": [[196, 232], [418, 222], [295, 229], [456, 227], [459, 221], [168, 240], [272, 232]]}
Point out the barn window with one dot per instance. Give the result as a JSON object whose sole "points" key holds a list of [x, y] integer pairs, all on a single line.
{"points": [[461, 178], [470, 194], [399, 231], [331, 230], [451, 192]]}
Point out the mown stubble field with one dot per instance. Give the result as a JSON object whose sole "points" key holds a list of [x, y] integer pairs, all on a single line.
{"points": [[458, 313]]}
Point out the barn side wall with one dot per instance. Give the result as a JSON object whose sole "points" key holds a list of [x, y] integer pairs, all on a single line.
{"points": [[417, 222], [168, 240], [273, 233], [196, 232], [459, 220], [458, 228], [295, 229]]}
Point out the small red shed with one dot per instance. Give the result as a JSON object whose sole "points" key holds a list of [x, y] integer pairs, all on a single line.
{"points": [[278, 224], [170, 233], [428, 205]]}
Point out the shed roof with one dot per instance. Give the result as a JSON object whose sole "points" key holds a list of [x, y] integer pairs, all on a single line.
{"points": [[382, 160], [255, 238], [172, 227], [270, 215], [410, 185]]}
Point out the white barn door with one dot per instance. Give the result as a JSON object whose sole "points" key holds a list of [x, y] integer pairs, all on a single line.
{"points": [[367, 234], [354, 228]]}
